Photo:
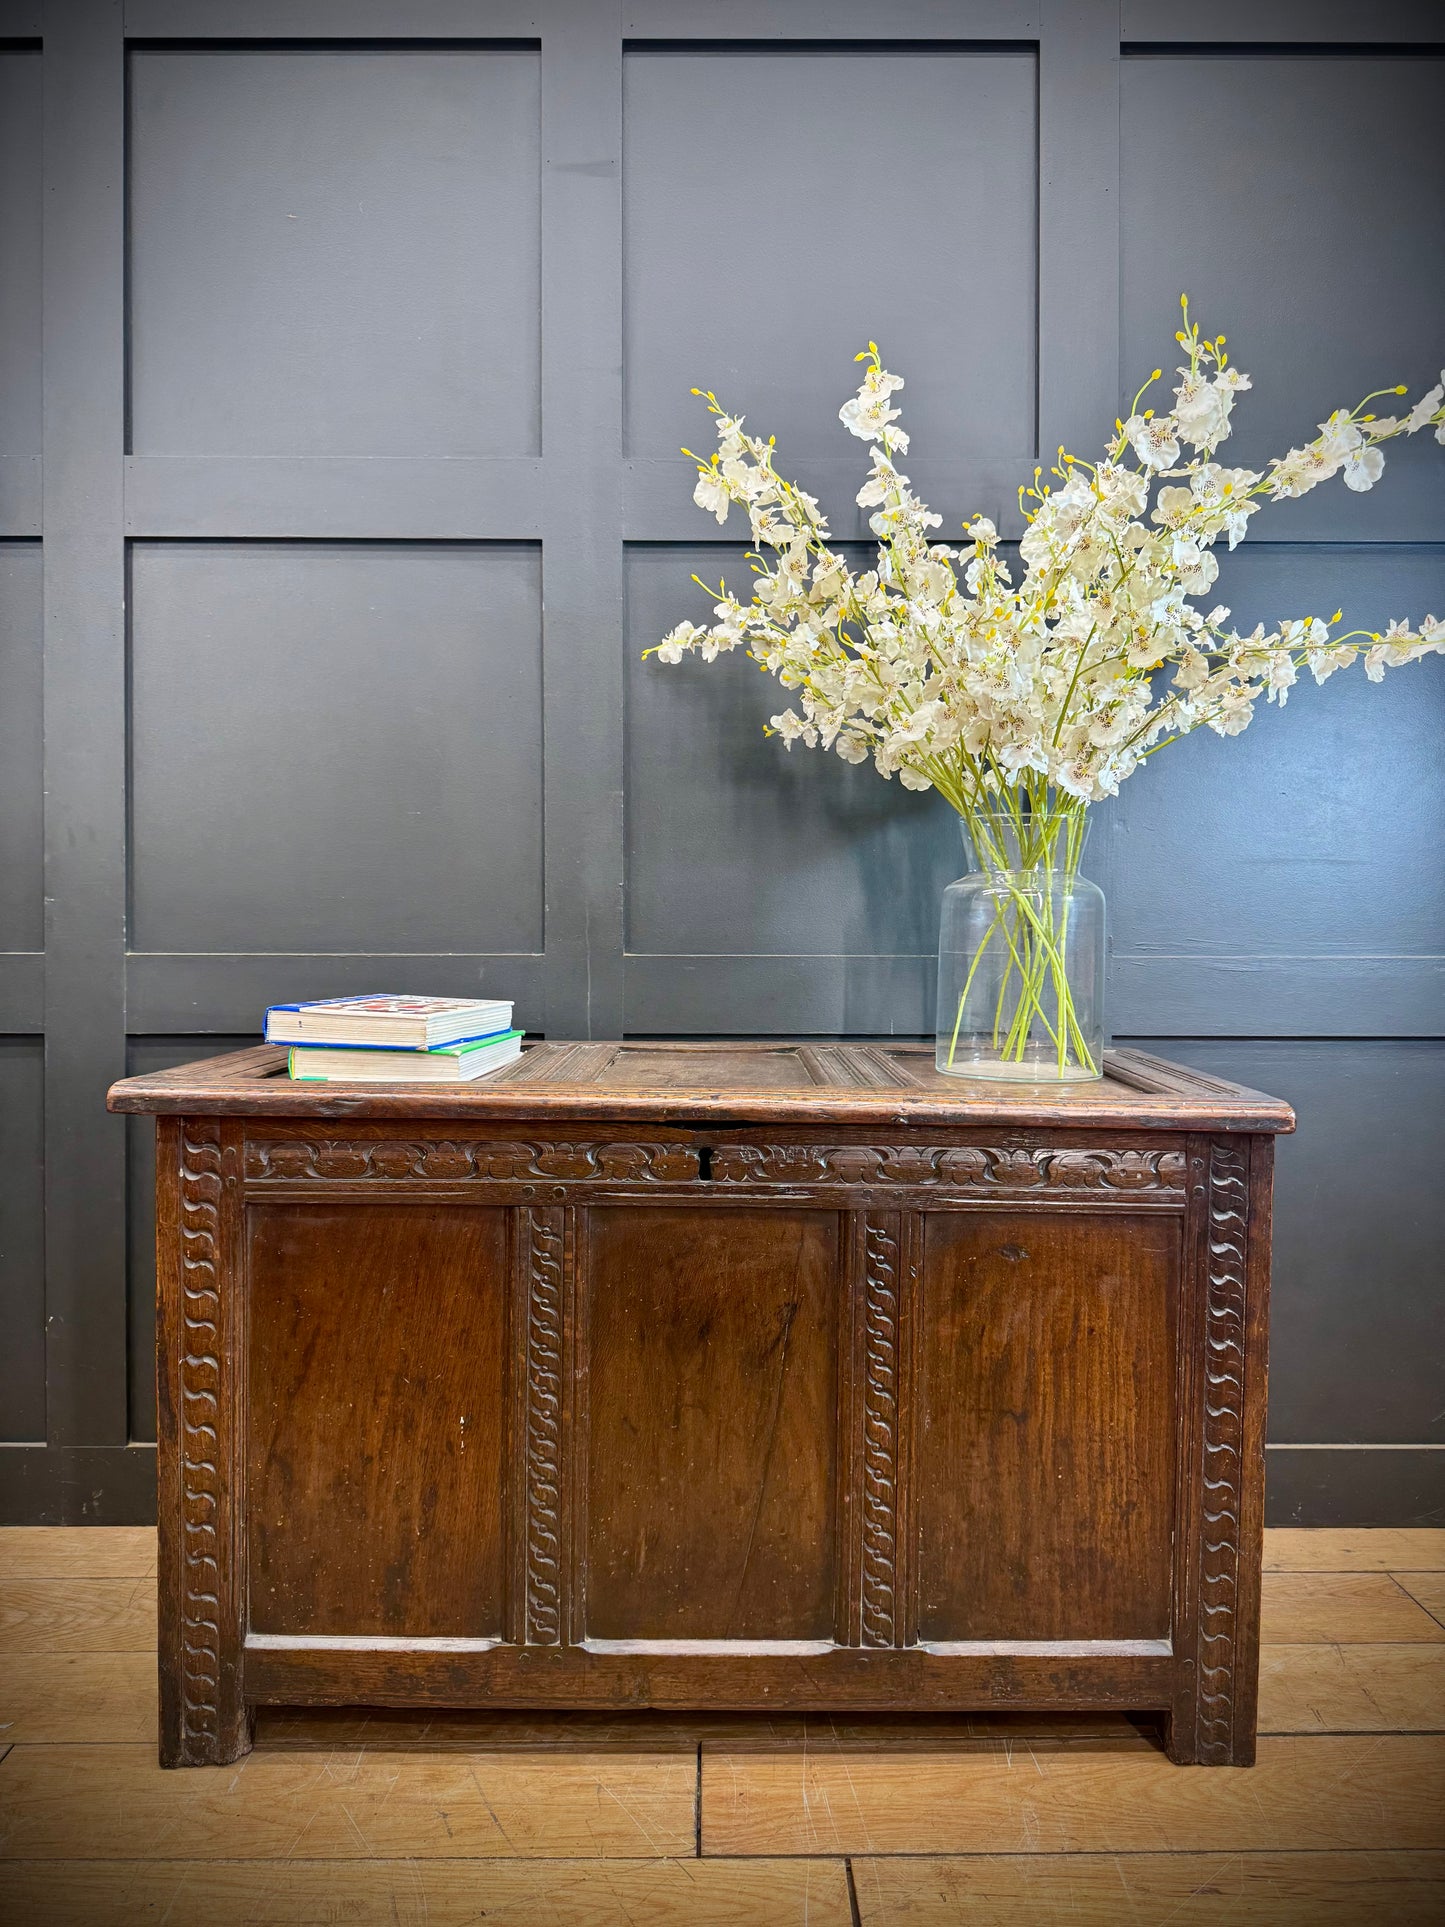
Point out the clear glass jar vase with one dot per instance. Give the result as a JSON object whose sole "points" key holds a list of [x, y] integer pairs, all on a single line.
{"points": [[1021, 954]]}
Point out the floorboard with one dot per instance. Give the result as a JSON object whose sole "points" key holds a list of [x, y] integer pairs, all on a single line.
{"points": [[1304, 1793], [82, 1552], [594, 1819], [1354, 1549], [75, 1697], [1352, 1689], [80, 1616], [115, 1803], [1372, 1608], [427, 1893], [1428, 1588], [1183, 1889]]}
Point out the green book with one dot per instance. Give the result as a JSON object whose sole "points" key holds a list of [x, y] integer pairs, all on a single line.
{"points": [[442, 1064]]}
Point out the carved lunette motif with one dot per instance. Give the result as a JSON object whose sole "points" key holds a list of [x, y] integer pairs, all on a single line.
{"points": [[546, 1244], [200, 1415], [1223, 1444], [966, 1168], [989, 1169], [461, 1160], [880, 1433]]}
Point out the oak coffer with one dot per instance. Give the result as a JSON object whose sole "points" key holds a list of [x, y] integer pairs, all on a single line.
{"points": [[736, 1375]]}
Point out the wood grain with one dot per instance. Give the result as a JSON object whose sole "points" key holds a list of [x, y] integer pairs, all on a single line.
{"points": [[1428, 1589], [1186, 1890], [77, 1615], [599, 1387], [1352, 1689], [1303, 1794], [77, 1697], [386, 1730], [200, 1392], [376, 1467], [346, 1806], [83, 1552], [556, 1081], [1354, 1549], [1307, 1608], [1047, 1379], [427, 1893], [712, 1429]]}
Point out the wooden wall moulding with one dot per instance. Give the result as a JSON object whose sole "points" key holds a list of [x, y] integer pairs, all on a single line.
{"points": [[770, 1376]]}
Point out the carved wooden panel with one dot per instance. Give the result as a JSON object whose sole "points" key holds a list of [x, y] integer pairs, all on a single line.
{"points": [[1223, 1444], [462, 1161], [1005, 1169], [203, 1447], [878, 1494], [542, 1238]]}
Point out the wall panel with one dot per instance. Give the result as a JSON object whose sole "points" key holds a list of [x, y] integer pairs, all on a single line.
{"points": [[1323, 820], [22, 1240], [22, 848], [736, 843], [19, 251], [1316, 215], [782, 207], [1357, 1350], [334, 252], [335, 747]]}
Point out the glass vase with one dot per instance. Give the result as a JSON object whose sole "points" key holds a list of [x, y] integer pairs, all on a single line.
{"points": [[1021, 955]]}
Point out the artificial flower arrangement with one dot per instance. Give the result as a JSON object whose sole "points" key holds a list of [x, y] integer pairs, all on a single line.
{"points": [[1023, 703]]}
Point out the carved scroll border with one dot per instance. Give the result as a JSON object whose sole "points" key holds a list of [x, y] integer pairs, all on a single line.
{"points": [[1156, 1173], [995, 1170], [882, 1308], [544, 1242], [462, 1161], [200, 1418], [1222, 1445]]}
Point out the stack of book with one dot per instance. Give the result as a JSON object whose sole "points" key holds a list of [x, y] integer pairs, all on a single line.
{"points": [[394, 1040]]}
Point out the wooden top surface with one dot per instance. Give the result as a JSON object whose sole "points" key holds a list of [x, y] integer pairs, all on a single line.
{"points": [[733, 1082]]}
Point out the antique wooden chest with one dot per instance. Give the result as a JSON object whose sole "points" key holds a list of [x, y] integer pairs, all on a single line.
{"points": [[745, 1375]]}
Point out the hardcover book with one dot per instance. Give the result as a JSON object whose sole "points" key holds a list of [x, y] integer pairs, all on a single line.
{"points": [[442, 1064], [389, 1022]]}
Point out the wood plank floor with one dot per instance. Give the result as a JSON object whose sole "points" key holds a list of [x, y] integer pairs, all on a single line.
{"points": [[593, 1819]]}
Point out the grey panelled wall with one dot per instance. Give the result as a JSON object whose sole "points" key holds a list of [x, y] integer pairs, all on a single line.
{"points": [[344, 349]]}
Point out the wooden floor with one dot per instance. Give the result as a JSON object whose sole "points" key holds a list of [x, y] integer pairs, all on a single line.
{"points": [[590, 1819]]}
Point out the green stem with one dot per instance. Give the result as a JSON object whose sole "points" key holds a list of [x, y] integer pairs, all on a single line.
{"points": [[1036, 940]]}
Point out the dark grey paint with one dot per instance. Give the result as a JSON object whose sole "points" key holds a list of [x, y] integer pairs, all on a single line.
{"points": [[22, 849], [334, 253], [1355, 1485], [1357, 1353], [83, 394], [20, 252], [335, 748], [148, 1054], [1321, 213], [1317, 832], [844, 218], [22, 1239], [736, 844], [321, 405]]}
